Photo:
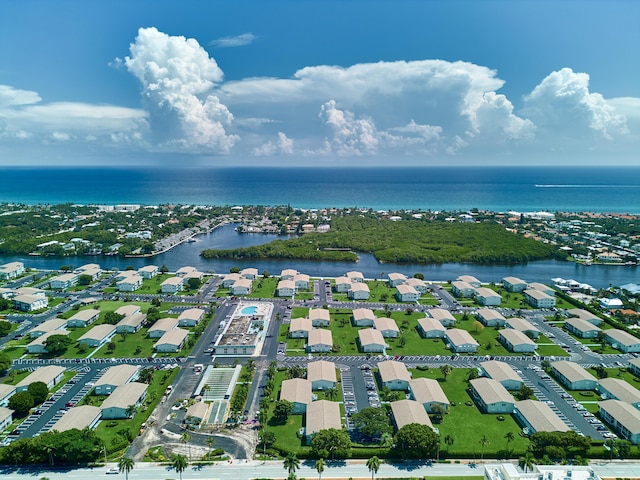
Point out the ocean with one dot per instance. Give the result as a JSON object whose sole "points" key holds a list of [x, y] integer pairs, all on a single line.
{"points": [[596, 189]]}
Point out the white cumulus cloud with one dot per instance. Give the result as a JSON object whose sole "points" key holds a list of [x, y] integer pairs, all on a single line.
{"points": [[351, 136], [234, 41], [283, 146]]}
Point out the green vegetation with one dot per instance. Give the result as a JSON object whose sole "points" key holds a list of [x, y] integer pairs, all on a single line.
{"points": [[414, 241]]}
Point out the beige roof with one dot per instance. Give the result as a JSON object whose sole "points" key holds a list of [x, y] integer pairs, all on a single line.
{"points": [[232, 276], [42, 374], [490, 314], [149, 268], [319, 314], [514, 280], [625, 413], [340, 280], [468, 278], [486, 292], [500, 371], [538, 286], [128, 310], [537, 294], [249, 271], [296, 390], [621, 390], [541, 417], [186, 269], [491, 391], [369, 336], [125, 395], [582, 325], [288, 271], [133, 320], [42, 338], [572, 371], [635, 362], [354, 275], [384, 323], [191, 314], [135, 278], [173, 337], [392, 370], [322, 415], [164, 324], [516, 337], [363, 313], [428, 324], [396, 276], [406, 289], [583, 314], [463, 285], [521, 324], [359, 287], [243, 282], [6, 390], [77, 417], [458, 336], [5, 412], [282, 284], [441, 314], [198, 410], [49, 325], [409, 411], [173, 281], [300, 323], [320, 336], [414, 282], [117, 375], [99, 332], [301, 277], [321, 370], [427, 390], [85, 315], [622, 337]]}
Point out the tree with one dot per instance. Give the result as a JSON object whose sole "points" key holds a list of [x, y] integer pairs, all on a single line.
{"points": [[438, 412], [331, 394], [332, 443], [372, 422], [21, 403], [39, 391], [624, 448], [448, 441], [526, 462], [509, 436], [416, 441], [179, 463], [112, 318], [5, 362], [57, 345], [484, 441], [524, 392], [373, 464], [446, 370], [291, 463], [473, 373], [267, 438], [85, 279], [282, 410], [193, 283], [265, 274], [5, 327], [419, 276], [125, 464], [210, 442], [386, 440], [185, 438], [319, 466]]}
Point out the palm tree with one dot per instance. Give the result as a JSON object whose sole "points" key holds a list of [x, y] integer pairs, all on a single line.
{"points": [[386, 440], [50, 449], [185, 438], [125, 464], [210, 442], [131, 409], [332, 394], [319, 466], [373, 464], [448, 441], [484, 441], [446, 370], [179, 463], [526, 462], [291, 463], [509, 436]]}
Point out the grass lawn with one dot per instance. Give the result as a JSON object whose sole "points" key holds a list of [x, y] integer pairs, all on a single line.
{"points": [[152, 285], [135, 345], [466, 424], [264, 288], [286, 435]]}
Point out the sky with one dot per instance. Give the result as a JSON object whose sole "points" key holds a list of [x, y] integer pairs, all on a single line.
{"points": [[319, 82]]}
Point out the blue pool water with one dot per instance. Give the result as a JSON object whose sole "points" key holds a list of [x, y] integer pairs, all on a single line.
{"points": [[249, 310]]}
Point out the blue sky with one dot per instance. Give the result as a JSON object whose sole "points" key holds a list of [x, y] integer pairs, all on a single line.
{"points": [[360, 82]]}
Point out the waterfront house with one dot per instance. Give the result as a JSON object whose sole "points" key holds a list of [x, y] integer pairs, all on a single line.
{"points": [[405, 412], [581, 328], [319, 340], [618, 389], [419, 285], [501, 372], [79, 418], [406, 293], [516, 341], [298, 392], [249, 273], [535, 416], [487, 297], [115, 376], [29, 303], [286, 288], [490, 317], [514, 284], [342, 285], [11, 270], [83, 318], [98, 335], [491, 396], [300, 327], [523, 326], [171, 340], [172, 285], [429, 393], [539, 299], [358, 291], [230, 279], [124, 401], [148, 271], [31, 291], [130, 284], [64, 281], [573, 376], [541, 287], [445, 317], [462, 289], [50, 375], [321, 374], [182, 271], [623, 341], [160, 327], [190, 317], [623, 418], [321, 415], [353, 276], [241, 287], [396, 279], [288, 274], [460, 341], [363, 317], [387, 327], [394, 375], [319, 317], [470, 279], [371, 341], [301, 281], [430, 328]]}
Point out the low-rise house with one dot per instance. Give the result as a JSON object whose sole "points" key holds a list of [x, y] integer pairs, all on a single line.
{"points": [[470, 279], [623, 417], [249, 273], [618, 389], [190, 317], [491, 396], [161, 327], [490, 317], [91, 269], [129, 309], [300, 328], [363, 317], [322, 415], [319, 317], [83, 318], [429, 393], [581, 328], [342, 285], [573, 376], [462, 289], [460, 341], [534, 416], [585, 315], [50, 375], [319, 340], [64, 281], [322, 375], [241, 287], [514, 284], [541, 287], [288, 274], [6, 417], [406, 293], [503, 373], [634, 366], [47, 326], [301, 281], [130, 284], [37, 345], [32, 291], [298, 392], [148, 271], [172, 285], [623, 341], [387, 327], [516, 341], [394, 375], [171, 340], [396, 279], [405, 412], [131, 323], [430, 328], [358, 291], [197, 414], [487, 297], [445, 317], [538, 299], [356, 277], [6, 392], [11, 270], [98, 335], [29, 303], [419, 285], [229, 279], [124, 401], [183, 271], [371, 341], [286, 288], [523, 326], [84, 416], [115, 376]]}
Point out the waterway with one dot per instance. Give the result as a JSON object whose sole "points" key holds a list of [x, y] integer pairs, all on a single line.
{"points": [[599, 276]]}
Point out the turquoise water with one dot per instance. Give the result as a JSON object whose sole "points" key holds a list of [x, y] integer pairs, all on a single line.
{"points": [[249, 310]]}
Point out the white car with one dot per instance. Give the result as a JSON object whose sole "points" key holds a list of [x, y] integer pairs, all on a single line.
{"points": [[112, 470]]}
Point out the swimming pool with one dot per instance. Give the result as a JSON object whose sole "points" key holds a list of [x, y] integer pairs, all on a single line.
{"points": [[249, 310]]}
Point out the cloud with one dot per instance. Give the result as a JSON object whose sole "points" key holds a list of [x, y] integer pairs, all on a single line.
{"points": [[234, 41], [351, 136], [284, 146], [10, 96], [177, 75]]}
